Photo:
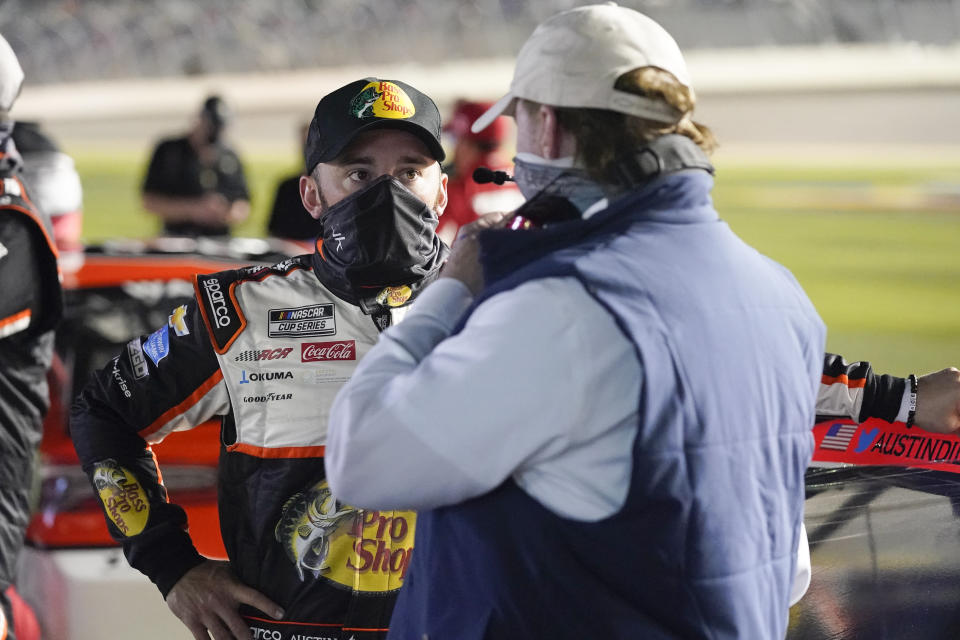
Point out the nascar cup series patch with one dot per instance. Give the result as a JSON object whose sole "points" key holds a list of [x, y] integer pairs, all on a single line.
{"points": [[123, 498], [382, 100], [309, 321]]}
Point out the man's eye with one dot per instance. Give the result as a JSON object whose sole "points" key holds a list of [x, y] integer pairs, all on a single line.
{"points": [[359, 175], [411, 174]]}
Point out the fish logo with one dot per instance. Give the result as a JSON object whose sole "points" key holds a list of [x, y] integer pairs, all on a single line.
{"points": [[394, 296], [123, 498], [364, 101], [382, 100], [308, 522]]}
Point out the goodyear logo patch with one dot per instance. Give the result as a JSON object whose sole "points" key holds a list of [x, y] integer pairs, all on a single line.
{"points": [[314, 320], [177, 321], [123, 498], [382, 100]]}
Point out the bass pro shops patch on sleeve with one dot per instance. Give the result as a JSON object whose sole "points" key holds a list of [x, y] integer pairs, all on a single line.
{"points": [[123, 498]]}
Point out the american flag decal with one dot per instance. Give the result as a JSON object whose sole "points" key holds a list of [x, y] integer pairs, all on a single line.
{"points": [[838, 436]]}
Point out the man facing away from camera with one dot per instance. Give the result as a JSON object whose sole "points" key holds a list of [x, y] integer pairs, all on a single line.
{"points": [[605, 421], [265, 349]]}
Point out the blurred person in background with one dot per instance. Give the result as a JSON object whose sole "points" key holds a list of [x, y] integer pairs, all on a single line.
{"points": [[467, 198], [195, 183], [265, 349], [31, 305], [289, 219], [54, 184], [606, 419]]}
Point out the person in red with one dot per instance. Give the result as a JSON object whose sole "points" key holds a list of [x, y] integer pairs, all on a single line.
{"points": [[467, 198]]}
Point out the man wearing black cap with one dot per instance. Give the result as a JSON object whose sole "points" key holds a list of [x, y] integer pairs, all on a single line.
{"points": [[266, 349], [195, 183]]}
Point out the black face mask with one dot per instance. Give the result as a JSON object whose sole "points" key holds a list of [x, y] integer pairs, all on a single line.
{"points": [[378, 238]]}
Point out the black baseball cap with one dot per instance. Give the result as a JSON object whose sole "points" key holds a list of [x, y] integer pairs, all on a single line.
{"points": [[367, 104]]}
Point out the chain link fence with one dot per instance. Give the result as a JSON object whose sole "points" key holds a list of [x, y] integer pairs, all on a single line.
{"points": [[66, 40]]}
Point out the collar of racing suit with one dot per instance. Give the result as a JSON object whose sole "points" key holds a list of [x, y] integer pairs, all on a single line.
{"points": [[378, 301]]}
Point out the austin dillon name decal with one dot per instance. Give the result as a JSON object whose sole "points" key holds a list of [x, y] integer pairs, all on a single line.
{"points": [[876, 442]]}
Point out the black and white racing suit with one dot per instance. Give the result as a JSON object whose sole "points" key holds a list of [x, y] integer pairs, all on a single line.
{"points": [[266, 349], [31, 305]]}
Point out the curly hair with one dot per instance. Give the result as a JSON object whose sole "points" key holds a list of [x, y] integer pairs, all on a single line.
{"points": [[603, 136]]}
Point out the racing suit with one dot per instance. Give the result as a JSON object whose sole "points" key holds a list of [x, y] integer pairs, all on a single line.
{"points": [[265, 349], [855, 391], [30, 307]]}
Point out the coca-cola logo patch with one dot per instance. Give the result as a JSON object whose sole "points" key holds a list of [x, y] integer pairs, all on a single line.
{"points": [[325, 351]]}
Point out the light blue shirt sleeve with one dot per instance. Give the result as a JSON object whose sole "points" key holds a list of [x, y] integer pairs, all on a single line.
{"points": [[541, 385]]}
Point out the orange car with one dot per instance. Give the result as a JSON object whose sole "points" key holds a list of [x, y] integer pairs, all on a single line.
{"points": [[72, 571]]}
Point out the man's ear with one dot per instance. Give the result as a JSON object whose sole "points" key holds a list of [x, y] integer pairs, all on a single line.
{"points": [[442, 199], [547, 139], [553, 140], [310, 196]]}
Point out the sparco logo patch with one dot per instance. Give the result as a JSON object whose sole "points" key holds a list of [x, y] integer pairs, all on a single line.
{"points": [[221, 315], [263, 354], [321, 351], [315, 320]]}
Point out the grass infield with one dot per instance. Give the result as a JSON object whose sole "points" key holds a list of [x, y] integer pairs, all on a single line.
{"points": [[876, 249]]}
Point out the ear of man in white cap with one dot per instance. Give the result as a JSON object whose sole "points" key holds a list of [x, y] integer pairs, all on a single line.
{"points": [[11, 76], [574, 59]]}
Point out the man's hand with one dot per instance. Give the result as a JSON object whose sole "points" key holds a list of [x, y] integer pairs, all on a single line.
{"points": [[207, 599], [938, 401], [213, 208], [464, 261]]}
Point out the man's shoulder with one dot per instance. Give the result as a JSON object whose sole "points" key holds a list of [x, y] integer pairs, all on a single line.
{"points": [[171, 143], [222, 310]]}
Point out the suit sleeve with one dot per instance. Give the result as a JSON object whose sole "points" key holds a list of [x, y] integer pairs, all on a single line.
{"points": [[854, 391], [169, 380], [19, 281]]}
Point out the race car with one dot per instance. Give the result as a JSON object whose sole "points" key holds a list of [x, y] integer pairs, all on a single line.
{"points": [[883, 519], [882, 509], [71, 571]]}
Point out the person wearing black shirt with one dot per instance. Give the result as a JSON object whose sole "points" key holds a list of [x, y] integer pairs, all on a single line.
{"points": [[195, 183], [288, 217]]}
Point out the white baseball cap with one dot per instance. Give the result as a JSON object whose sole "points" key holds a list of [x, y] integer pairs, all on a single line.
{"points": [[574, 58], [11, 76]]}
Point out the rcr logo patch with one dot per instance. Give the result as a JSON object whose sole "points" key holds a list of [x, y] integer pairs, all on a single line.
{"points": [[253, 355]]}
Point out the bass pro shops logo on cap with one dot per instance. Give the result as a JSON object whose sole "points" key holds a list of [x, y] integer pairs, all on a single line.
{"points": [[382, 100]]}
